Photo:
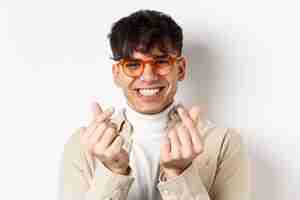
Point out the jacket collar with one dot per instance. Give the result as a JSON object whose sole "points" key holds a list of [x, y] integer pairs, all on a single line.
{"points": [[125, 128]]}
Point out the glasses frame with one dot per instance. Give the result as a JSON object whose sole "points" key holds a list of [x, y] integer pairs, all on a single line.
{"points": [[172, 59]]}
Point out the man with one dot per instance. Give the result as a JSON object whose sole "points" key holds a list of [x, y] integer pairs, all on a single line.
{"points": [[154, 148]]}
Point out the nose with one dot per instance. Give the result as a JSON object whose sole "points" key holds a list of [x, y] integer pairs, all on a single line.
{"points": [[149, 74]]}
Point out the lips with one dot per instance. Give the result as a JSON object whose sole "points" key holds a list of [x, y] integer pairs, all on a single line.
{"points": [[149, 92]]}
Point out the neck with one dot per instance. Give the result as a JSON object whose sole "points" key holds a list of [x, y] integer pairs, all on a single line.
{"points": [[154, 122], [161, 114]]}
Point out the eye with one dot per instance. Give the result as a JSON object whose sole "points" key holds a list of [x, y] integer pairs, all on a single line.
{"points": [[162, 62], [132, 65]]}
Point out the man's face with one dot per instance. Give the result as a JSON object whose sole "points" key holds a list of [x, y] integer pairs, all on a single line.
{"points": [[150, 93]]}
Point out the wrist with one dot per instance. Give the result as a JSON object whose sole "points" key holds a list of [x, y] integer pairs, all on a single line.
{"points": [[122, 171], [171, 173]]}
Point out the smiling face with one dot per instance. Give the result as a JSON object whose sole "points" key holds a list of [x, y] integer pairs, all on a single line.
{"points": [[150, 93]]}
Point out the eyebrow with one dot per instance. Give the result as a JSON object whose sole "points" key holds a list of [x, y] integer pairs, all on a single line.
{"points": [[161, 56], [154, 56]]}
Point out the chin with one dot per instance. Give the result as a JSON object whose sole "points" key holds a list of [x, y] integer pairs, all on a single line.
{"points": [[151, 109]]}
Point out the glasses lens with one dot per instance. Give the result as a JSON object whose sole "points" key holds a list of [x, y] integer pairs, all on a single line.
{"points": [[132, 68], [163, 66]]}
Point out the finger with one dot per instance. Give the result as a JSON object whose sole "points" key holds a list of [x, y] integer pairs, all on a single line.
{"points": [[115, 146], [96, 109], [96, 136], [186, 119], [170, 126], [113, 125], [109, 135], [105, 116], [196, 114], [175, 144], [90, 129], [83, 139], [188, 122], [186, 141]]}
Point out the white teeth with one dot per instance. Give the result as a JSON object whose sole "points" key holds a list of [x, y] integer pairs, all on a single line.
{"points": [[149, 92]]}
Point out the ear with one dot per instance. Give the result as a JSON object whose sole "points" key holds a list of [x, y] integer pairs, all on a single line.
{"points": [[116, 72], [181, 69]]}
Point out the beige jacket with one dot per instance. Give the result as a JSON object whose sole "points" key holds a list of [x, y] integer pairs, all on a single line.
{"points": [[221, 172]]}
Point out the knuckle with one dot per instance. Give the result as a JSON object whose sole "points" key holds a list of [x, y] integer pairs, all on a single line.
{"points": [[113, 125], [176, 156], [114, 152], [182, 132], [98, 149], [189, 123], [111, 130], [107, 153], [198, 149], [102, 126], [172, 133], [187, 154], [102, 117], [179, 128], [171, 129]]}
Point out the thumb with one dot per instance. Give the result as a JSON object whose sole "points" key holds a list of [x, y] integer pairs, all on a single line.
{"points": [[195, 113], [96, 109]]}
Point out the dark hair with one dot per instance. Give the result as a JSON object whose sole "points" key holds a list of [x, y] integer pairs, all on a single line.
{"points": [[143, 30]]}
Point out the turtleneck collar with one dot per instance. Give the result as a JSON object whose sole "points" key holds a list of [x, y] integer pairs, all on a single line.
{"points": [[152, 123]]}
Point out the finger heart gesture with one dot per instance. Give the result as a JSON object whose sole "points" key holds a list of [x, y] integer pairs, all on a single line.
{"points": [[183, 143]]}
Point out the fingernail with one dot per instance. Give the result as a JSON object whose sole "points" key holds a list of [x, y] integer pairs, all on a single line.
{"points": [[180, 109]]}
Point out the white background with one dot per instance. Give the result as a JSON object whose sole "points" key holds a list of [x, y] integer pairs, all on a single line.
{"points": [[243, 63]]}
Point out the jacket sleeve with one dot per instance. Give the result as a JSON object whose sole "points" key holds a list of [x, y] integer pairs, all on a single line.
{"points": [[187, 186], [231, 179], [81, 182]]}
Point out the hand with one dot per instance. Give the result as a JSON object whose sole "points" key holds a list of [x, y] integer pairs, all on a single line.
{"points": [[103, 142], [183, 143]]}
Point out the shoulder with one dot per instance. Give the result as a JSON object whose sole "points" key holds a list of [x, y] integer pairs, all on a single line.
{"points": [[221, 140], [232, 143], [227, 146], [73, 141], [212, 131]]}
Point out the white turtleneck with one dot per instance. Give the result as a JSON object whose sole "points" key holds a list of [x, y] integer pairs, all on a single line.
{"points": [[148, 134]]}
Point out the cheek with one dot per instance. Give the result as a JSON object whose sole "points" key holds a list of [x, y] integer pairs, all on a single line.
{"points": [[173, 87], [125, 85], [172, 80]]}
